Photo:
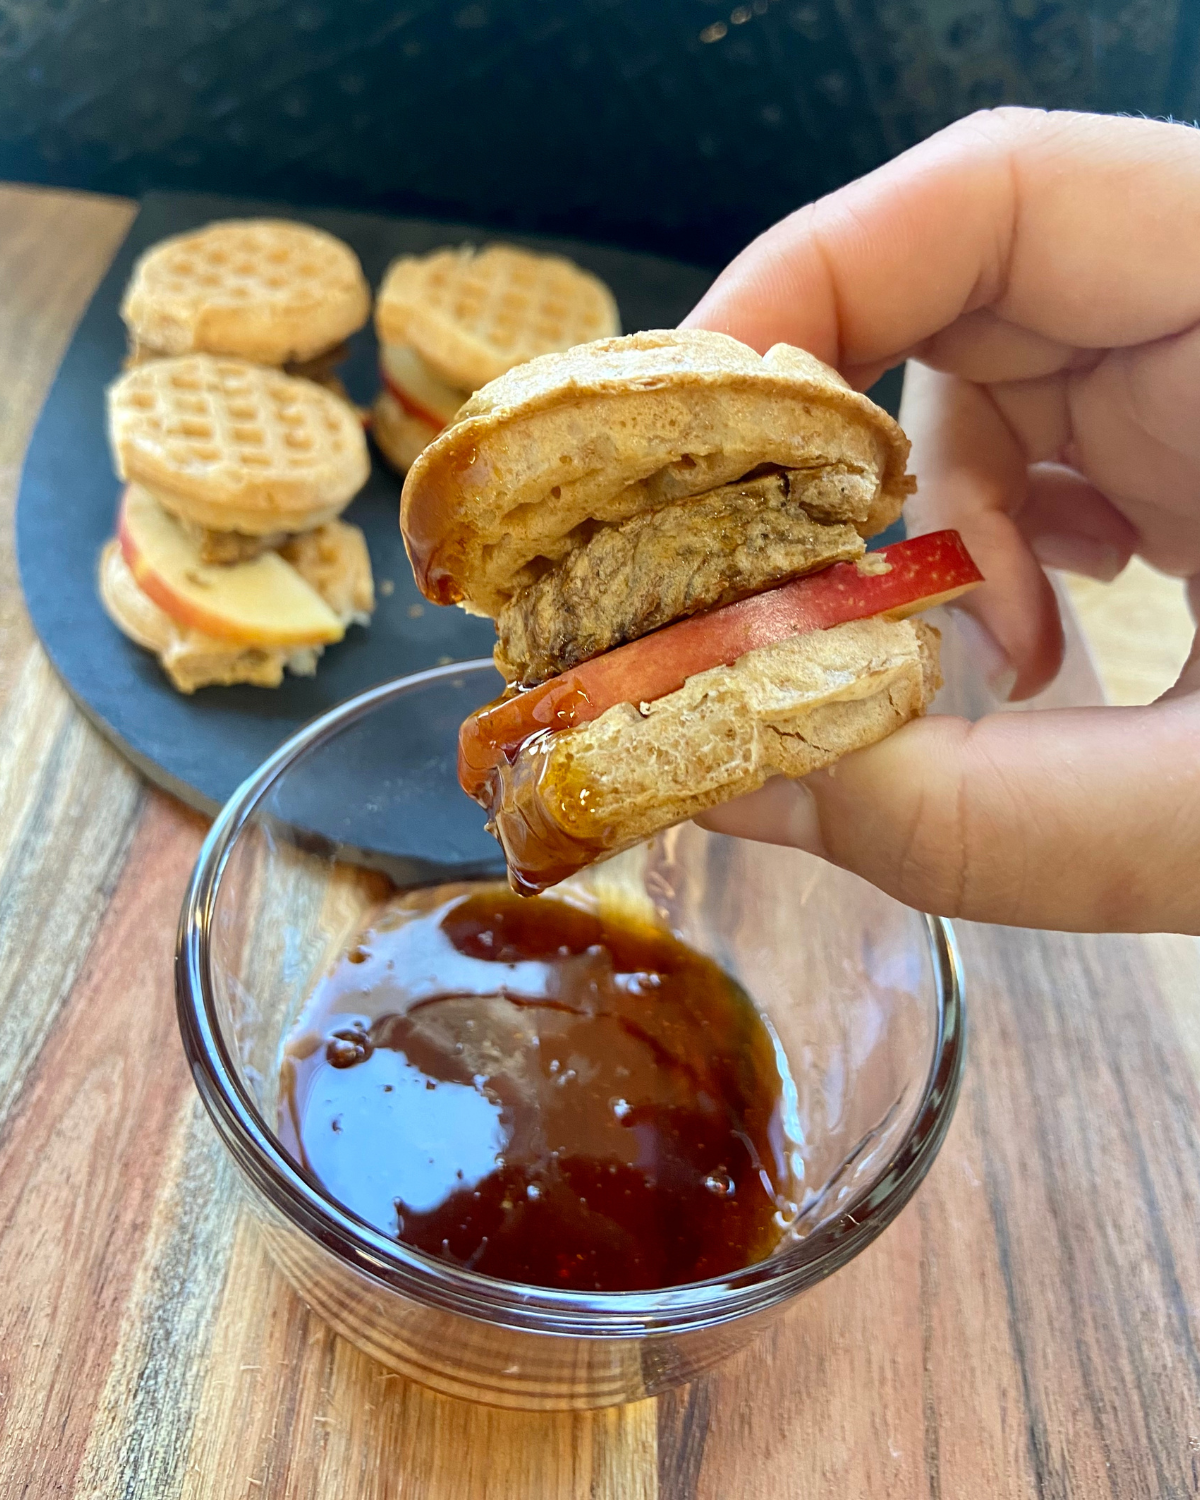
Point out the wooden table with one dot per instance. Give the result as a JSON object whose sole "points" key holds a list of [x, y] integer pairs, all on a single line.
{"points": [[1030, 1326]]}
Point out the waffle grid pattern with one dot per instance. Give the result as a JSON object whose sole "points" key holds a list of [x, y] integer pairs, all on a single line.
{"points": [[267, 290], [222, 422], [250, 262], [481, 312]]}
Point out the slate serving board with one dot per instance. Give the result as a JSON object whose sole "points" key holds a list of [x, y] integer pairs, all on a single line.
{"points": [[201, 748]]}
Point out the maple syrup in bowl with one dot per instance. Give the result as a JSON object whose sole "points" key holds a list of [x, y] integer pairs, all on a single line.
{"points": [[562, 1151], [543, 1093]]}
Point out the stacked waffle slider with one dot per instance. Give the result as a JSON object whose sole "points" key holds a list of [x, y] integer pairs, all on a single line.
{"points": [[266, 290], [668, 531], [451, 321], [230, 562]]}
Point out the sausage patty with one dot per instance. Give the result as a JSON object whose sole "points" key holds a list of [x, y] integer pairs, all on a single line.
{"points": [[623, 581]]}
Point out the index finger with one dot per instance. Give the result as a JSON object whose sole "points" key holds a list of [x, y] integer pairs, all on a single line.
{"points": [[1080, 228]]}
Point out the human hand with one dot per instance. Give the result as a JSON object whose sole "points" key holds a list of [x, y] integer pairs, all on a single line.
{"points": [[1041, 272]]}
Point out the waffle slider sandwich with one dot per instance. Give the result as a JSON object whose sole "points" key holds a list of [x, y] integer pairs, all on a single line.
{"points": [[451, 321], [265, 290], [668, 530], [230, 563]]}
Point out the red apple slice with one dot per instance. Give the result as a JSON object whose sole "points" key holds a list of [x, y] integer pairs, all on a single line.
{"points": [[264, 602], [894, 582], [419, 391]]}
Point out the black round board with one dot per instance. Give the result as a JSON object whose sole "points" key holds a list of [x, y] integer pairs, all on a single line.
{"points": [[201, 747]]}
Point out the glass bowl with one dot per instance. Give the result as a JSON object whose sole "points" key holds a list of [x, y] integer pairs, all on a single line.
{"points": [[864, 997]]}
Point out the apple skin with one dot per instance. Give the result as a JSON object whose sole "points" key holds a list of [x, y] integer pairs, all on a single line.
{"points": [[412, 407], [260, 603], [418, 390], [894, 582]]}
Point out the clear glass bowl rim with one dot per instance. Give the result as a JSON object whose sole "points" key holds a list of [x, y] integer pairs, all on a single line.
{"points": [[436, 1283]]}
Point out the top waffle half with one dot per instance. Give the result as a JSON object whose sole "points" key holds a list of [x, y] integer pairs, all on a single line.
{"points": [[234, 446], [473, 314], [266, 290]]}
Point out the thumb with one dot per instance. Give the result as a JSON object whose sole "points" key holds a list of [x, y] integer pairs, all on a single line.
{"points": [[1189, 675], [1081, 819]]}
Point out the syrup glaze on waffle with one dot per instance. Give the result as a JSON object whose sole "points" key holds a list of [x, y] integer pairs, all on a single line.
{"points": [[473, 314]]}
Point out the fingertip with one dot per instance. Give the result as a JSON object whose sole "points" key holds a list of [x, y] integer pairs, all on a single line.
{"points": [[777, 290], [1073, 553], [985, 657], [1034, 649], [743, 301], [1016, 604], [779, 812], [1072, 525]]}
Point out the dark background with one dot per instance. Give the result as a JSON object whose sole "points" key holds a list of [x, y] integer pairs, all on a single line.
{"points": [[682, 126]]}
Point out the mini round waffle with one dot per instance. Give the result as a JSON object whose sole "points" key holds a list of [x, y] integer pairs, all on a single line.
{"points": [[473, 314], [261, 289], [234, 446]]}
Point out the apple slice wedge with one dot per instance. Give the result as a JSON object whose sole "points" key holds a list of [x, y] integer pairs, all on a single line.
{"points": [[894, 582], [418, 390], [264, 602]]}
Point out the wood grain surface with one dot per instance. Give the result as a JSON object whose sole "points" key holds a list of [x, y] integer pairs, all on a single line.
{"points": [[1029, 1327], [1140, 630]]}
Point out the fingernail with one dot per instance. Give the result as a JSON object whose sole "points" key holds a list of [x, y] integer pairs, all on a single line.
{"points": [[986, 656], [1079, 554], [803, 823]]}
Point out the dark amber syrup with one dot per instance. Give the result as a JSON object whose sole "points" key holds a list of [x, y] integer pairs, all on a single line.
{"points": [[542, 1094]]}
